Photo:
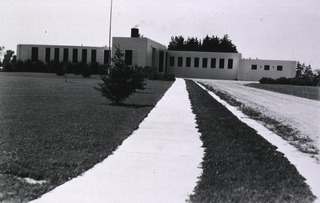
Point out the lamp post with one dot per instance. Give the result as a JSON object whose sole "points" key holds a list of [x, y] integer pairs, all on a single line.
{"points": [[109, 57]]}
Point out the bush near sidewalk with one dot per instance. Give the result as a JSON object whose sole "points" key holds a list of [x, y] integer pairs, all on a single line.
{"points": [[121, 81], [239, 165]]}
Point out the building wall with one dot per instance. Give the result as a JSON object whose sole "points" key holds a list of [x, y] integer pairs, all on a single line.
{"points": [[137, 45], [145, 52], [24, 52], [153, 59], [255, 69], [209, 72]]}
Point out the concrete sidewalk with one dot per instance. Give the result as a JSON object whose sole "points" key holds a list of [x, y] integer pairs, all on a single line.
{"points": [[159, 162]]}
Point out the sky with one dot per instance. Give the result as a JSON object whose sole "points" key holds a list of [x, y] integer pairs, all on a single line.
{"points": [[264, 29]]}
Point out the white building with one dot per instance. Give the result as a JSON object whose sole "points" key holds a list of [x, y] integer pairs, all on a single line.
{"points": [[192, 64], [255, 69], [61, 53], [144, 52], [206, 65]]}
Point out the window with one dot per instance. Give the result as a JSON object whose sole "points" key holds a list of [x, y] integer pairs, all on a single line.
{"points": [[84, 56], [171, 61], [221, 63], [65, 55], [279, 68], [254, 67], [204, 62], [128, 57], [230, 63], [196, 62], [75, 56], [188, 62], [213, 63], [56, 54], [180, 61], [106, 57], [48, 50], [93, 56], [266, 67], [34, 53], [161, 57]]}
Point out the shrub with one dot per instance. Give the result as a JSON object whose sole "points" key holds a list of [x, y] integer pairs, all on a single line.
{"points": [[138, 77], [85, 70], [290, 81], [153, 74], [38, 66], [120, 83], [8, 67], [59, 68], [94, 67], [19, 65]]}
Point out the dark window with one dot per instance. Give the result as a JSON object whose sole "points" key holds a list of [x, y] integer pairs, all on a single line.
{"points": [[204, 63], [196, 62], [180, 61], [56, 54], [254, 67], [48, 50], [128, 57], [266, 67], [221, 63], [153, 59], [279, 68], [171, 61], [106, 57], [230, 63], [93, 56], [65, 55], [34, 53], [75, 56], [84, 56], [213, 63], [161, 57], [188, 62]]}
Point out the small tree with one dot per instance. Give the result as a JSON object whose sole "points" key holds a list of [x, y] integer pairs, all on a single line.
{"points": [[121, 81]]}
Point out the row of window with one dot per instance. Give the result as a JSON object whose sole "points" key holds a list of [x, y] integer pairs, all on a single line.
{"points": [[266, 67], [66, 58], [196, 62]]}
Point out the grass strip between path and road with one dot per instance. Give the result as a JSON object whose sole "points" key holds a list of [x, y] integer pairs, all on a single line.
{"points": [[52, 131], [239, 165], [293, 136]]}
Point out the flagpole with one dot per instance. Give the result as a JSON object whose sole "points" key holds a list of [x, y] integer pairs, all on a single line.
{"points": [[109, 62]]}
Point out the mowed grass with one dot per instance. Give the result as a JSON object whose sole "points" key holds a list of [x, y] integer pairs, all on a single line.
{"points": [[309, 92], [239, 165], [53, 131]]}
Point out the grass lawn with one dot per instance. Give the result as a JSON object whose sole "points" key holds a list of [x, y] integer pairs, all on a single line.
{"points": [[239, 165], [53, 131], [309, 92]]}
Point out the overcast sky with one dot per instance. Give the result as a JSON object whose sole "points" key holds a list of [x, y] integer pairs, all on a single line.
{"points": [[266, 29]]}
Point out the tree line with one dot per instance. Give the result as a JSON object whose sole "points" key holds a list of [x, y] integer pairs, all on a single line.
{"points": [[207, 44]]}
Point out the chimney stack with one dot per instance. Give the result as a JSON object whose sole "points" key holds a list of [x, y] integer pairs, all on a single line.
{"points": [[135, 33]]}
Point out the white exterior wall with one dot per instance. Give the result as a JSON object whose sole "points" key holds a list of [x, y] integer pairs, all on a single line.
{"points": [[247, 74], [24, 52], [137, 45], [206, 73], [141, 50], [157, 47]]}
